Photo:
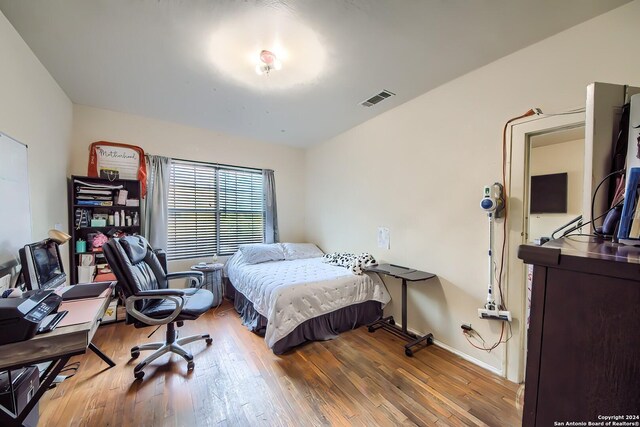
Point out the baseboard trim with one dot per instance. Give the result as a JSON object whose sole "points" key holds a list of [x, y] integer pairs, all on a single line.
{"points": [[473, 360], [465, 356]]}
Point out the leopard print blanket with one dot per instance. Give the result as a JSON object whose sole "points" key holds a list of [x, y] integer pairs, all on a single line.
{"points": [[356, 263]]}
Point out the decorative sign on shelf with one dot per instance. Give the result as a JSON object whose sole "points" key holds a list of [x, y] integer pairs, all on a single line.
{"points": [[113, 160]]}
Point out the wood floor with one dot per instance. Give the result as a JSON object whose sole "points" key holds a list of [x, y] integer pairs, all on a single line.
{"points": [[357, 379]]}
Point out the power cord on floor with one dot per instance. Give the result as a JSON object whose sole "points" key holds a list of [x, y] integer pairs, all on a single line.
{"points": [[153, 332], [71, 367], [471, 333]]}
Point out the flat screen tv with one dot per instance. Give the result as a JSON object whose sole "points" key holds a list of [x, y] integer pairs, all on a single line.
{"points": [[42, 266], [549, 193]]}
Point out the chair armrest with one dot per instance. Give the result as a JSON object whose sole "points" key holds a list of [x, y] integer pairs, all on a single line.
{"points": [[184, 274], [176, 298], [160, 293]]}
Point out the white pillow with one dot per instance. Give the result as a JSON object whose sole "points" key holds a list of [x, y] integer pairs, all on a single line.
{"points": [[301, 251], [256, 253]]}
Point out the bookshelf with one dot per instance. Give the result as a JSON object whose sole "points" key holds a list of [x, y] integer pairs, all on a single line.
{"points": [[96, 206]]}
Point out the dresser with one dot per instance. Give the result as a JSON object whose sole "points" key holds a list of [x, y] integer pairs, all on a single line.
{"points": [[583, 359]]}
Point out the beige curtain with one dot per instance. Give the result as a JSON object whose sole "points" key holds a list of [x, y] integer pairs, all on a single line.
{"points": [[271, 234], [154, 207]]}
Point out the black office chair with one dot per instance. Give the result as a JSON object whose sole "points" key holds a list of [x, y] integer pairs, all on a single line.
{"points": [[144, 283]]}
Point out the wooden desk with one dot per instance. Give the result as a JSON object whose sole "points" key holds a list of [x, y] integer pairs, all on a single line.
{"points": [[389, 323], [57, 346]]}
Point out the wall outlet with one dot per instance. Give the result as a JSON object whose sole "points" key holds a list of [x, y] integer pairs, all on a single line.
{"points": [[5, 282]]}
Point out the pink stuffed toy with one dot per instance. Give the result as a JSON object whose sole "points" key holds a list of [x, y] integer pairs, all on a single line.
{"points": [[99, 240]]}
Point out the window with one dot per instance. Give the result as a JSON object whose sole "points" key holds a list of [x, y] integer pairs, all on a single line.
{"points": [[213, 209]]}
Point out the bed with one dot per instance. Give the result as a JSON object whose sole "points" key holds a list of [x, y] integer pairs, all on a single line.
{"points": [[288, 294]]}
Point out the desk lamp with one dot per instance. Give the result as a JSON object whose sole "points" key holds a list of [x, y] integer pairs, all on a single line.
{"points": [[60, 237]]}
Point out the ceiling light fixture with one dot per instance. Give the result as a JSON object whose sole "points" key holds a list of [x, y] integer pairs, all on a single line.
{"points": [[235, 52], [268, 61]]}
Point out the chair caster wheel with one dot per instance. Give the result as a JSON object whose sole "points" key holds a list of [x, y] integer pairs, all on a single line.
{"points": [[134, 355], [371, 329], [408, 352], [392, 321], [138, 375], [190, 366], [209, 341]]}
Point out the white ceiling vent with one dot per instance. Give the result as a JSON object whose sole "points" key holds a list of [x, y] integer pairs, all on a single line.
{"points": [[377, 98]]}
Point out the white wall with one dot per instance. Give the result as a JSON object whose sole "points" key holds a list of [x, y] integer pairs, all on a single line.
{"points": [[419, 169], [183, 142], [558, 158], [35, 111]]}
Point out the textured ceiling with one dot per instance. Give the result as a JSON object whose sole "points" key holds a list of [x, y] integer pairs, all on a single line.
{"points": [[190, 62]]}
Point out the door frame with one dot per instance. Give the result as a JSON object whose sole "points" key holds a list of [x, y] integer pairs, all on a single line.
{"points": [[517, 169]]}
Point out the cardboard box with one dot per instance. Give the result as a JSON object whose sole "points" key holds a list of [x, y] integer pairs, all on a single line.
{"points": [[121, 313], [111, 313]]}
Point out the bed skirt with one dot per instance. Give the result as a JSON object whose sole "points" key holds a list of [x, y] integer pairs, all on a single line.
{"points": [[320, 328]]}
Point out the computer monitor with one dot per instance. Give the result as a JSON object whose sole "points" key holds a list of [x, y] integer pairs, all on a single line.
{"points": [[42, 266]]}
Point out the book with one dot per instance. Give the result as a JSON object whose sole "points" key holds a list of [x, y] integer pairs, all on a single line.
{"points": [[122, 197], [630, 202], [92, 186], [82, 190], [95, 202], [634, 232], [87, 197]]}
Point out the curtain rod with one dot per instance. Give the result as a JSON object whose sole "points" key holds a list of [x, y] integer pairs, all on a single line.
{"points": [[213, 164]]}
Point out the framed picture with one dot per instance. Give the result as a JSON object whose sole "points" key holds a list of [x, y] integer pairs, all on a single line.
{"points": [[112, 160]]}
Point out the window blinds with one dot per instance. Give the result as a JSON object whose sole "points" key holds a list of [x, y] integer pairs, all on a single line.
{"points": [[212, 209], [241, 211]]}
